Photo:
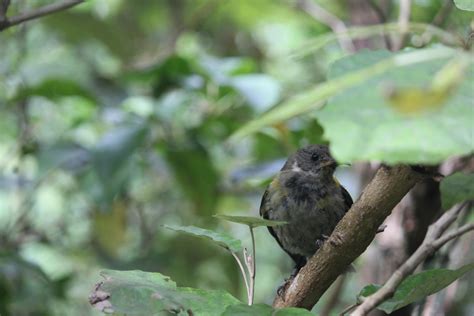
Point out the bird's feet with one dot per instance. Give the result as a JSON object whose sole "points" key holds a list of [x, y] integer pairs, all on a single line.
{"points": [[282, 288], [381, 228], [335, 241], [320, 241]]}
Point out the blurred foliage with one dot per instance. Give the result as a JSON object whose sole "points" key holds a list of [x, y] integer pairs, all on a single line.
{"points": [[456, 188], [416, 287], [116, 118], [141, 293]]}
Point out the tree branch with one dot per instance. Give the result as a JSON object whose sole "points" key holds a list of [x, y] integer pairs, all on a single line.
{"points": [[3, 10], [337, 26], [45, 10], [351, 236], [443, 13], [432, 242], [453, 234], [403, 21], [378, 10]]}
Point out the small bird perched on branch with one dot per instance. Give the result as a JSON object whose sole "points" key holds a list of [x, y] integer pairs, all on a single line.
{"points": [[306, 195]]}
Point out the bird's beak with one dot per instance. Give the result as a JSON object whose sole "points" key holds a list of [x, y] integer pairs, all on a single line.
{"points": [[329, 163]]}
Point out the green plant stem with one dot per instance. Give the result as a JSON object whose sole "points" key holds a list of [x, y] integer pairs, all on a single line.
{"points": [[313, 98], [365, 31], [252, 268], [244, 274]]}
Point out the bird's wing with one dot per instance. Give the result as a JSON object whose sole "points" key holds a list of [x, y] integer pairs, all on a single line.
{"points": [[264, 211], [347, 198]]}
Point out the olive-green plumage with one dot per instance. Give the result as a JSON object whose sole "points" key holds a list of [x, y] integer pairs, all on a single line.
{"points": [[305, 194]]}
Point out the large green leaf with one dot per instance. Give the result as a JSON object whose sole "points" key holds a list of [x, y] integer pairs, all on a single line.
{"points": [[111, 154], [467, 5], [263, 310], [250, 221], [144, 293], [361, 124], [457, 188], [222, 240], [417, 286], [366, 65]]}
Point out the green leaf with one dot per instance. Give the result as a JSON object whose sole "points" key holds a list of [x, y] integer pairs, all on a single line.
{"points": [[222, 240], [104, 31], [111, 154], [144, 293], [25, 289], [263, 310], [54, 88], [377, 63], [457, 188], [249, 220], [165, 75], [261, 91], [68, 156], [196, 175], [417, 286], [467, 5], [361, 125]]}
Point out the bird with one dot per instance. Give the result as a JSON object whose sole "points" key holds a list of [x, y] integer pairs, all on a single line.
{"points": [[305, 195]]}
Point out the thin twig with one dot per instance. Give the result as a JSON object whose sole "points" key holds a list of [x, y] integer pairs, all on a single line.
{"points": [[45, 10], [337, 25], [432, 242], [347, 309], [378, 10], [453, 234], [3, 10], [443, 13], [403, 21], [382, 16], [244, 274]]}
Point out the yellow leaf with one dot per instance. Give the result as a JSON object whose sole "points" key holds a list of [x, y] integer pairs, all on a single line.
{"points": [[416, 100], [110, 227]]}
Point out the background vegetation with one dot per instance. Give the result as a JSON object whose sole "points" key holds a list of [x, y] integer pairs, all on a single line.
{"points": [[118, 117]]}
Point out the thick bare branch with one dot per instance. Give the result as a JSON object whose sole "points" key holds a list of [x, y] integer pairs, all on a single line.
{"points": [[350, 237], [337, 26], [432, 242], [45, 10]]}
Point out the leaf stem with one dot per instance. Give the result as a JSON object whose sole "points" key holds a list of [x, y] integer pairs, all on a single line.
{"points": [[244, 274], [252, 268]]}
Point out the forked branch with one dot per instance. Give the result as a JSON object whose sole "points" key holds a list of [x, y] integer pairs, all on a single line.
{"points": [[6, 22]]}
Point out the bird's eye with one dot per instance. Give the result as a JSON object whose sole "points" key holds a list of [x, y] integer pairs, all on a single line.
{"points": [[314, 157]]}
